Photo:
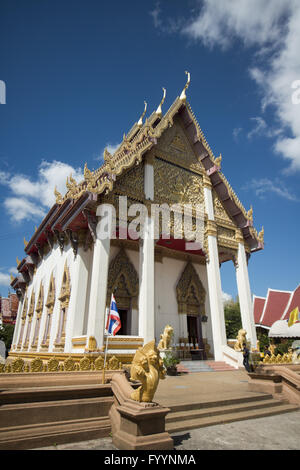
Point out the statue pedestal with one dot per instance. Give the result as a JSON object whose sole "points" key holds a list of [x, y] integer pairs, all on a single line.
{"points": [[137, 426]]}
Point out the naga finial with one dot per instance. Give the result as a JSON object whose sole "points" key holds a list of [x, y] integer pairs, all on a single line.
{"points": [[140, 122], [250, 214], [106, 155], [58, 196], [159, 110], [25, 242], [218, 160], [18, 261], [183, 95], [261, 235]]}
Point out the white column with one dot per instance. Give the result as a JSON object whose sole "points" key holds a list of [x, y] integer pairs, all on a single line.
{"points": [[76, 309], [18, 323], [244, 292], [98, 290], [146, 288], [146, 271], [214, 278]]}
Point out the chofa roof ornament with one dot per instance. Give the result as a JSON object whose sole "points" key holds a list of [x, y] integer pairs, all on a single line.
{"points": [[159, 110], [183, 95], [140, 122]]}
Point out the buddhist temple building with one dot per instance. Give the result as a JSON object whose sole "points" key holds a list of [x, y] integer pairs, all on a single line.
{"points": [[69, 270]]}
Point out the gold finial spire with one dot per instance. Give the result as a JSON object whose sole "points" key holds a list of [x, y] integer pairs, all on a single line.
{"points": [[250, 214], [183, 95], [218, 160], [58, 196], [25, 242], [18, 261], [106, 155], [261, 235], [11, 278], [159, 110], [140, 122]]}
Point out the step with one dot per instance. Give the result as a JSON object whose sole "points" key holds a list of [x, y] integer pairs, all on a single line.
{"points": [[226, 402], [43, 394], [195, 423], [48, 434], [51, 411], [218, 410]]}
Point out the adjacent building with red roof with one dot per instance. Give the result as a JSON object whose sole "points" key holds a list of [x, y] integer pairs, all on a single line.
{"points": [[9, 308], [276, 306]]}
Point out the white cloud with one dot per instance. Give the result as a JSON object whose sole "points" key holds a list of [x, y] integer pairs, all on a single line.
{"points": [[31, 199], [272, 29], [236, 132], [226, 297], [4, 279], [265, 186]]}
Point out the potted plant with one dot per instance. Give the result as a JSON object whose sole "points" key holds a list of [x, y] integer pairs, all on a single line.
{"points": [[170, 363]]}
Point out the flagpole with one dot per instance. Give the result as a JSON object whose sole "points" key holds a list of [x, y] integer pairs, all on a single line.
{"points": [[105, 352], [103, 373]]}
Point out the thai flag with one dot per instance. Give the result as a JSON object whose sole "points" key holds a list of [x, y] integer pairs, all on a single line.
{"points": [[113, 320]]}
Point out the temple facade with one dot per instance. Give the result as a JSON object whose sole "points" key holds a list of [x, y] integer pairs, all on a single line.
{"points": [[70, 269]]}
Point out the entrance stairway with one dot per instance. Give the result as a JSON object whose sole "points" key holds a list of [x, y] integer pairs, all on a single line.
{"points": [[188, 416], [203, 366]]}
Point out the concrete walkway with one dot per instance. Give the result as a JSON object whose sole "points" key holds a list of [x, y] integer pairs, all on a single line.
{"points": [[281, 432]]}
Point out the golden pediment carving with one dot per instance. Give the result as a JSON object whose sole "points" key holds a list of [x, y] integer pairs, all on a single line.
{"points": [[174, 185]]}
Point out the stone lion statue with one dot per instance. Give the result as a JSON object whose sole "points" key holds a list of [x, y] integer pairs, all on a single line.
{"points": [[165, 341], [241, 340]]}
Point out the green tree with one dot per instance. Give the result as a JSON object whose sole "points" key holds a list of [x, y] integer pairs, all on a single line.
{"points": [[6, 334], [233, 321]]}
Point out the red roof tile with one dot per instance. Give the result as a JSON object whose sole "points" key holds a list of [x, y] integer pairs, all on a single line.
{"points": [[258, 306], [275, 305], [294, 302]]}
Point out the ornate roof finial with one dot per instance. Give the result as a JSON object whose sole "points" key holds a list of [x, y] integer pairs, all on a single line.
{"points": [[58, 196], [159, 110], [25, 242], [18, 261], [106, 155], [261, 235], [183, 95], [140, 122], [250, 214], [218, 160]]}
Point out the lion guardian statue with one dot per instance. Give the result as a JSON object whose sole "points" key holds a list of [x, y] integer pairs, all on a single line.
{"points": [[166, 337], [241, 340]]}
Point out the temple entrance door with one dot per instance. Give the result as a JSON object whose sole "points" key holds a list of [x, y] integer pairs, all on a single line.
{"points": [[195, 334], [125, 317], [193, 330]]}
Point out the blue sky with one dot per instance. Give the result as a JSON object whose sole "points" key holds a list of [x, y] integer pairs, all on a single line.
{"points": [[77, 74]]}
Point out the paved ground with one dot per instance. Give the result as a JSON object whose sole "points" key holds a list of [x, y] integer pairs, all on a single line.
{"points": [[281, 432]]}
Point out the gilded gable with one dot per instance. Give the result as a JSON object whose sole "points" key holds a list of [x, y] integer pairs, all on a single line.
{"points": [[174, 185], [219, 210], [174, 146]]}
